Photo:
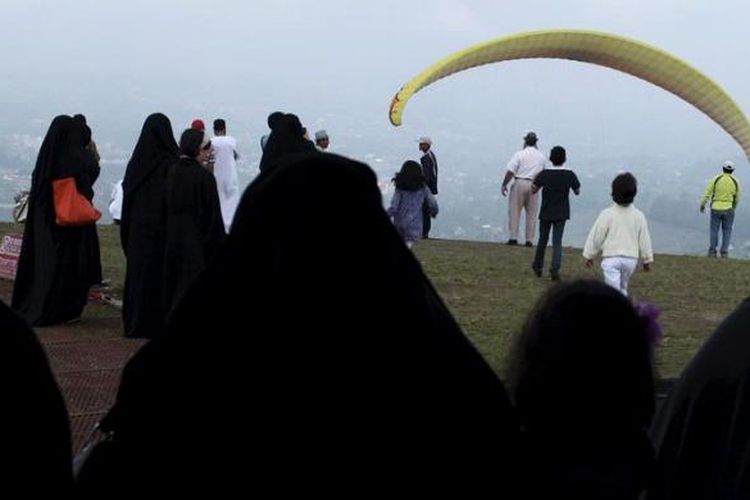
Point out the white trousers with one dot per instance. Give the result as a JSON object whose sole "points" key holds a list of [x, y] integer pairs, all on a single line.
{"points": [[617, 272]]}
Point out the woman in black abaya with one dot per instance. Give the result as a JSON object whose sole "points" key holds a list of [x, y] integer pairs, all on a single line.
{"points": [[330, 365], [194, 227], [142, 227], [92, 169], [703, 440], [287, 138], [54, 268]]}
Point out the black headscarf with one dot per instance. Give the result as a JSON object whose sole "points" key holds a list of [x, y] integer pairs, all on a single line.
{"points": [[59, 146], [155, 144], [287, 138], [334, 365], [155, 149], [703, 440], [54, 271]]}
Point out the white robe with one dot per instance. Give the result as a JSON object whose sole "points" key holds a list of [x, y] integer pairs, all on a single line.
{"points": [[227, 181]]}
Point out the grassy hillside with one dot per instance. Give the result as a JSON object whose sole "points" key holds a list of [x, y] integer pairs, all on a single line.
{"points": [[490, 288]]}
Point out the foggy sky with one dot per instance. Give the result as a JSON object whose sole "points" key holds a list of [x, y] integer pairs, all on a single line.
{"points": [[337, 63]]}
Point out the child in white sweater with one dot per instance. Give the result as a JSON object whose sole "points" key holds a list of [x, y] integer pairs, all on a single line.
{"points": [[621, 235]]}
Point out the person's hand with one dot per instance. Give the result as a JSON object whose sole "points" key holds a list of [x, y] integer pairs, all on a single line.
{"points": [[505, 190], [647, 266], [703, 208], [588, 263]]}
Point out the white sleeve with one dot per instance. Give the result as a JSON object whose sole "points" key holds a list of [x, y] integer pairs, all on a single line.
{"points": [[514, 163], [596, 237], [644, 241]]}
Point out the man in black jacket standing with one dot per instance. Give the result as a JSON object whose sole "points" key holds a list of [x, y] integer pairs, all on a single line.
{"points": [[430, 172]]}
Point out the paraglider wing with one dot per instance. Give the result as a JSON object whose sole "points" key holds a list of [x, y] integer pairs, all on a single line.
{"points": [[603, 49]]}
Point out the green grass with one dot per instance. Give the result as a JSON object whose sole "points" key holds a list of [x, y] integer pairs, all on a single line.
{"points": [[490, 289]]}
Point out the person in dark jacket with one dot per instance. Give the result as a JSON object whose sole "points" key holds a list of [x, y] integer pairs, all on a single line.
{"points": [[194, 227], [142, 226], [54, 268], [556, 184], [371, 384], [430, 172]]}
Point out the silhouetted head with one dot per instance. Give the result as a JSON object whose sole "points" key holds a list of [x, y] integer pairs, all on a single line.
{"points": [[220, 127], [191, 142], [582, 362], [274, 118], [557, 156], [410, 177], [624, 189]]}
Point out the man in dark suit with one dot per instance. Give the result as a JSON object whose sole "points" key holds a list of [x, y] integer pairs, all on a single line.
{"points": [[430, 172]]}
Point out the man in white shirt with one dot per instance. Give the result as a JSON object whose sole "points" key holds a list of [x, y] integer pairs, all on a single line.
{"points": [[115, 202], [225, 171], [522, 169], [322, 141]]}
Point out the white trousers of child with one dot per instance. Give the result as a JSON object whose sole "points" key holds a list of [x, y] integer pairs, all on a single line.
{"points": [[617, 272]]}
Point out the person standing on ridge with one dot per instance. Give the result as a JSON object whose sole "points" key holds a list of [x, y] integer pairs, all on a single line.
{"points": [[724, 193], [556, 184], [225, 171], [322, 141], [430, 172], [523, 167], [208, 163]]}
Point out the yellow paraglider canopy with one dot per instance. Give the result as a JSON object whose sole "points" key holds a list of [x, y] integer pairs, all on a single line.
{"points": [[612, 51]]}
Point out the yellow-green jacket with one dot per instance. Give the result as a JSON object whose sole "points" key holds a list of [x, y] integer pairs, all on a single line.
{"points": [[723, 191]]}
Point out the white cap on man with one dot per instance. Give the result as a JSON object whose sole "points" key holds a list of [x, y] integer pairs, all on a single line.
{"points": [[425, 140], [728, 166]]}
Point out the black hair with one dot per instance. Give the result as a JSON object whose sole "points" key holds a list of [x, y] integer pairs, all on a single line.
{"points": [[220, 125], [274, 118], [583, 359], [190, 142], [557, 156], [410, 177], [624, 189]]}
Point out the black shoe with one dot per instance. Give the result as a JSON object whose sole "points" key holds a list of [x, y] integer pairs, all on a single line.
{"points": [[537, 272], [554, 276], [529, 244], [512, 242]]}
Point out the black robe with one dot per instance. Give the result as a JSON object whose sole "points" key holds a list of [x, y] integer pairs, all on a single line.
{"points": [[312, 356], [36, 445], [54, 268], [142, 226], [92, 171], [194, 227], [703, 440], [287, 138]]}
